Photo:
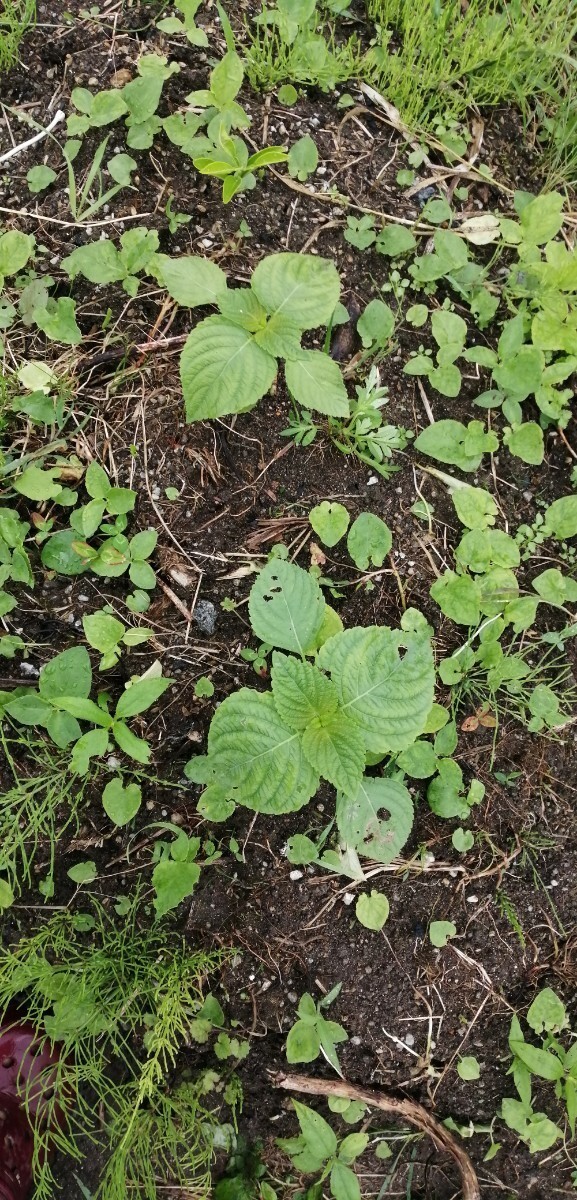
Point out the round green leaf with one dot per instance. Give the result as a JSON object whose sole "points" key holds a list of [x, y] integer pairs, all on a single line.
{"points": [[40, 177], [83, 872], [68, 674], [377, 324], [15, 250], [369, 541], [287, 94], [547, 1012], [372, 910], [303, 1043], [58, 554], [468, 1068], [561, 518], [121, 803], [330, 522], [301, 286], [440, 932], [462, 840]]}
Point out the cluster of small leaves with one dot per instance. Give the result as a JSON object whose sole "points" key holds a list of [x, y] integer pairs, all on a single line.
{"points": [[318, 1151], [55, 318], [446, 793], [550, 1061], [484, 583], [358, 701], [230, 361], [313, 1034], [62, 700], [369, 539], [68, 552], [289, 45], [14, 561]]}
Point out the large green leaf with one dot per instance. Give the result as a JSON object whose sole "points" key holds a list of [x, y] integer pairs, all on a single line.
{"points": [[301, 692], [561, 517], [387, 692], [315, 1130], [314, 380], [257, 757], [173, 882], [334, 746], [15, 250], [189, 280], [361, 826], [286, 607], [301, 286], [223, 370], [68, 674]]}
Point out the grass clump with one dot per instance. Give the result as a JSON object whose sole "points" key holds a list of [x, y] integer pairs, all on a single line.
{"points": [[40, 805], [15, 18], [299, 48], [437, 58], [119, 1002]]}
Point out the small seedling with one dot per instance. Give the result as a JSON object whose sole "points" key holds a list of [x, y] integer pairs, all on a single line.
{"points": [[313, 1034], [317, 1150]]}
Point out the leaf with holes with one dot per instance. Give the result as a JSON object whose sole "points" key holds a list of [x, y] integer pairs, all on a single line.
{"points": [[330, 521], [361, 826], [286, 607]]}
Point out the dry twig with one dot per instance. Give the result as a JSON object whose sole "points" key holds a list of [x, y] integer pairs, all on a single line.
{"points": [[408, 1110]]}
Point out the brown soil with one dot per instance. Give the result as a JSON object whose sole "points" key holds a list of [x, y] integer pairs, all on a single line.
{"points": [[410, 1010]]}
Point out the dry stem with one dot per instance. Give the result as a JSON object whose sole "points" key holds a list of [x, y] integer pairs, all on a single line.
{"points": [[409, 1110]]}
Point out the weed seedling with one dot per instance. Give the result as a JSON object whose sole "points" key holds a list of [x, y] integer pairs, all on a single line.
{"points": [[313, 1034], [318, 1151]]}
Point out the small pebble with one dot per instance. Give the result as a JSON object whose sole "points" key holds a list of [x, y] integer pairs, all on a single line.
{"points": [[409, 1039], [472, 899], [294, 875], [205, 616], [348, 897], [28, 669]]}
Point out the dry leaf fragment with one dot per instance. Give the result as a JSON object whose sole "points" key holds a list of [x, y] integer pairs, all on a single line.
{"points": [[482, 229]]}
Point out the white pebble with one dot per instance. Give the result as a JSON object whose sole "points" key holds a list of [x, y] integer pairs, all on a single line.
{"points": [[294, 875], [28, 669]]}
